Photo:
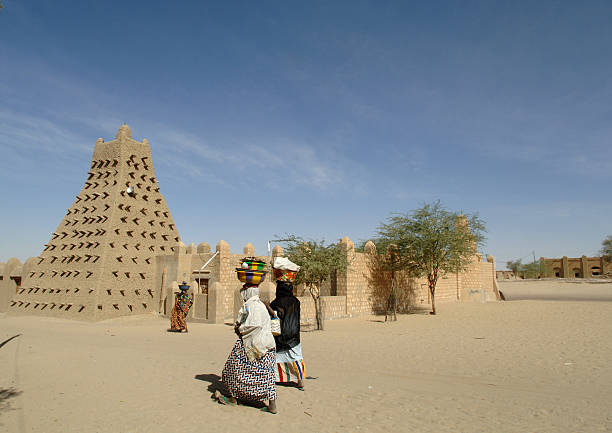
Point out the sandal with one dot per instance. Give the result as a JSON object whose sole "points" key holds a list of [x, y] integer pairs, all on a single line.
{"points": [[267, 409], [221, 399]]}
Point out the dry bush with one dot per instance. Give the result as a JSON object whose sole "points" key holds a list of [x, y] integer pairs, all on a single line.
{"points": [[385, 300]]}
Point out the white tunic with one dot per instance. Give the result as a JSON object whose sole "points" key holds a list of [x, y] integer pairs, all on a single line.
{"points": [[255, 329]]}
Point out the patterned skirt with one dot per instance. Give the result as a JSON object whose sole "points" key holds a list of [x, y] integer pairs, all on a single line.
{"points": [[290, 365], [177, 319], [249, 380]]}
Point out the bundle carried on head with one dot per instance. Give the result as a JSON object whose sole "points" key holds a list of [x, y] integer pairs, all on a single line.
{"points": [[284, 269], [251, 271]]}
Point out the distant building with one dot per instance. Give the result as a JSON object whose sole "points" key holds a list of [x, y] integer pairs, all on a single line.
{"points": [[581, 267], [505, 275]]}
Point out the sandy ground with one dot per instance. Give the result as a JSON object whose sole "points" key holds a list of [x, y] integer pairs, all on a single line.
{"points": [[515, 366]]}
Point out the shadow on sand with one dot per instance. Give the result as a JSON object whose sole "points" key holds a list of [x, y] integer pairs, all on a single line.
{"points": [[214, 381], [5, 395], [8, 339], [413, 311], [215, 384]]}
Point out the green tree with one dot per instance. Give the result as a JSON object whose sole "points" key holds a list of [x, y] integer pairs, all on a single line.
{"points": [[317, 262], [514, 266], [433, 240], [606, 249], [530, 270]]}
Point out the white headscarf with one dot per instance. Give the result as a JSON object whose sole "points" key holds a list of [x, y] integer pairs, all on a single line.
{"points": [[249, 292], [284, 264], [254, 321]]}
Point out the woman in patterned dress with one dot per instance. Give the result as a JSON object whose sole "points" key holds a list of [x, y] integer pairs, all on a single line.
{"points": [[249, 370], [182, 304]]}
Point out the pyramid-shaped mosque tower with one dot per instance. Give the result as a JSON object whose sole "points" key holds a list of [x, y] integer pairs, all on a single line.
{"points": [[100, 261]]}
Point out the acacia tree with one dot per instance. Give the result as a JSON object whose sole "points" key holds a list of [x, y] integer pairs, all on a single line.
{"points": [[317, 262], [514, 266], [433, 240], [526, 270], [606, 249], [531, 270]]}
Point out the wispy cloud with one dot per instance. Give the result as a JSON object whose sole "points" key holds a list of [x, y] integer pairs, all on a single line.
{"points": [[280, 163], [24, 131]]}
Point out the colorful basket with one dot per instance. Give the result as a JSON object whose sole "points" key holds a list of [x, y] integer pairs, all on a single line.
{"points": [[253, 264], [249, 276], [284, 275]]}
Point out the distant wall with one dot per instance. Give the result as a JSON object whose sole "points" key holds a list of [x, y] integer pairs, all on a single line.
{"points": [[216, 288], [334, 307], [10, 281]]}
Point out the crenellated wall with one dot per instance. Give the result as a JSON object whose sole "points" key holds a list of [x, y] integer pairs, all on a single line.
{"points": [[212, 277], [216, 288]]}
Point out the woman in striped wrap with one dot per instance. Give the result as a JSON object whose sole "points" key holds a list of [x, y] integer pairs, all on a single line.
{"points": [[289, 360]]}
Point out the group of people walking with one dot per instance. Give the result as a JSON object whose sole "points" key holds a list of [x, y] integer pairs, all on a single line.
{"points": [[259, 360]]}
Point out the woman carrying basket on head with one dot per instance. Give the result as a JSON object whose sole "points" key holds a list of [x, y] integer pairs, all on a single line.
{"points": [[289, 360], [248, 373], [182, 304]]}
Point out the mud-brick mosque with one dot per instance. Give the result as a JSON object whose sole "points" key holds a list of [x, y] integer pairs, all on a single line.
{"points": [[117, 252]]}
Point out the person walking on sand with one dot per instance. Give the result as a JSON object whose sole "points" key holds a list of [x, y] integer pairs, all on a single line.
{"points": [[289, 360], [182, 304], [248, 373]]}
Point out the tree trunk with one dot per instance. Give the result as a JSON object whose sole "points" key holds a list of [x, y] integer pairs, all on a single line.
{"points": [[392, 302], [388, 307], [433, 299], [395, 297], [316, 297], [432, 291]]}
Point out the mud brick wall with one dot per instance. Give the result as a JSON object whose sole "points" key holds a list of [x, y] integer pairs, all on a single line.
{"points": [[354, 282], [10, 280], [334, 307], [185, 265], [100, 261]]}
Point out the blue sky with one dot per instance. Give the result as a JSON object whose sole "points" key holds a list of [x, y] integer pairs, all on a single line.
{"points": [[316, 118]]}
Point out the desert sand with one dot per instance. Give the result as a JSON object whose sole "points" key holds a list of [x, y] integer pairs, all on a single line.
{"points": [[529, 365]]}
